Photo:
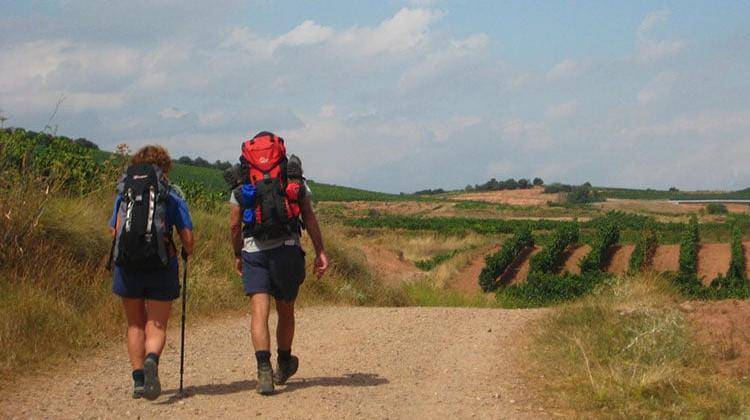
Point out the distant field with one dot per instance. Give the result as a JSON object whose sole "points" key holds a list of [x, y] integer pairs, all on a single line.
{"points": [[648, 194]]}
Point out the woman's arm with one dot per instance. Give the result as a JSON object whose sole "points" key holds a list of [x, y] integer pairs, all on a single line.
{"points": [[188, 240]]}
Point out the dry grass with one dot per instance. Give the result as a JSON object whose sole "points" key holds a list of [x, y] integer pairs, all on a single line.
{"points": [[627, 351], [415, 246]]}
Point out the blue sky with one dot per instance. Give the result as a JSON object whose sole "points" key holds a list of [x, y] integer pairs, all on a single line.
{"points": [[400, 95]]}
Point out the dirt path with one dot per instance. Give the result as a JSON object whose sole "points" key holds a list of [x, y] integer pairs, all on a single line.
{"points": [[620, 260], [468, 279], [667, 258], [519, 271], [712, 260], [355, 362], [573, 257]]}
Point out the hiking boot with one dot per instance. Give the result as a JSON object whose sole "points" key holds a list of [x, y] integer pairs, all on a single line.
{"points": [[285, 370], [137, 391], [152, 386], [265, 380]]}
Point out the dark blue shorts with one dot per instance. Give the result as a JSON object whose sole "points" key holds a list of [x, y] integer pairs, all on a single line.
{"points": [[153, 285], [278, 272]]}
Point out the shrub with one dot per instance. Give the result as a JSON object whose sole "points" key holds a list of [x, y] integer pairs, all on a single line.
{"points": [[687, 280], [644, 251], [689, 244], [716, 208], [496, 264], [607, 237], [550, 259], [583, 195], [543, 289], [737, 268]]}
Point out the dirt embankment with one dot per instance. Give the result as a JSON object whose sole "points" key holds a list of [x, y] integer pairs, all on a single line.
{"points": [[354, 363], [620, 259], [573, 257], [467, 280], [713, 259], [667, 258], [390, 267]]}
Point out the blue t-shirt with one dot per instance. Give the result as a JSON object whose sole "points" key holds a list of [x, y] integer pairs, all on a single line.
{"points": [[177, 213]]}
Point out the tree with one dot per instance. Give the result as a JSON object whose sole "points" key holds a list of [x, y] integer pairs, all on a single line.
{"points": [[523, 183], [3, 119], [185, 160], [674, 189], [88, 144], [537, 182], [199, 161]]}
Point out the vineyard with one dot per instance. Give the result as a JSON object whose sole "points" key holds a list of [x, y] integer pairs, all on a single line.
{"points": [[547, 283]]}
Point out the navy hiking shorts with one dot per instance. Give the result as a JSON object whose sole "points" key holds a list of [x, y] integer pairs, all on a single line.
{"points": [[278, 272], [153, 285]]}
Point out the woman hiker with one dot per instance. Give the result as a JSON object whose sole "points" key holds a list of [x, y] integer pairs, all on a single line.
{"points": [[145, 275]]}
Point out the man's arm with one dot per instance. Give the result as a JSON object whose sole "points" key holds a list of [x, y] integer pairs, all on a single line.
{"points": [[235, 224], [311, 225]]}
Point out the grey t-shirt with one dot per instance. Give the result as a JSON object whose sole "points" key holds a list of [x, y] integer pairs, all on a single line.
{"points": [[255, 245]]}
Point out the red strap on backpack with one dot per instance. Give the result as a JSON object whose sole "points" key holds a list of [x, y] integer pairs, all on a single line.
{"points": [[264, 153]]}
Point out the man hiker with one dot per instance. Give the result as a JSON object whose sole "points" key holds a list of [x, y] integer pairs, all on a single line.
{"points": [[145, 275], [269, 206]]}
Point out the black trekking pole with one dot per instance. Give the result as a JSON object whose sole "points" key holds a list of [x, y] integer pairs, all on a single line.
{"points": [[182, 326]]}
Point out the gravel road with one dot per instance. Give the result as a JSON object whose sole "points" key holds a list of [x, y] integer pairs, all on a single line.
{"points": [[354, 362]]}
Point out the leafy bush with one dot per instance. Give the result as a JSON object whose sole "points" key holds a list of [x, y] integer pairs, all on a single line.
{"points": [[607, 237], [687, 280], [737, 268], [430, 263], [544, 289], [550, 259], [716, 208], [583, 195], [689, 248], [645, 249], [497, 263]]}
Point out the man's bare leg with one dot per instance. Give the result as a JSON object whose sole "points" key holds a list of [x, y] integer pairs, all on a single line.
{"points": [[261, 304]]}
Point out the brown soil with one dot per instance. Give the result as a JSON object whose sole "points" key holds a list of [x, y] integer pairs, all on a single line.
{"points": [[654, 206], [713, 259], [667, 258], [468, 279], [354, 363], [722, 328], [519, 271], [529, 197], [391, 267], [620, 260], [573, 256]]}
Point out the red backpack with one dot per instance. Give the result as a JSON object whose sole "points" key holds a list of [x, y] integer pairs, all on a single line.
{"points": [[271, 202]]}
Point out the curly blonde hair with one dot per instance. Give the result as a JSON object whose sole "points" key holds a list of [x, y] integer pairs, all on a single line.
{"points": [[153, 154]]}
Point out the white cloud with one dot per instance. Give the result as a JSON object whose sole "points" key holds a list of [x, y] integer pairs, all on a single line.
{"points": [[701, 123], [658, 87], [651, 50], [405, 31], [307, 33], [562, 110], [531, 134], [172, 112], [652, 19], [565, 69], [443, 61]]}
